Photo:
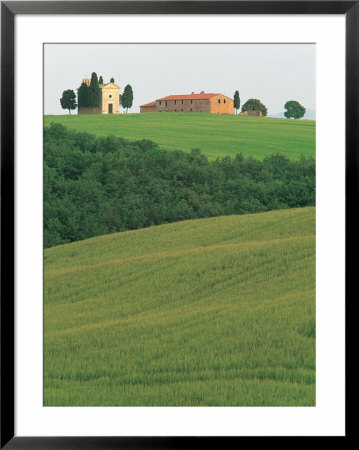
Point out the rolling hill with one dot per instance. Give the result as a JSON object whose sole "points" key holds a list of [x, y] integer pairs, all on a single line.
{"points": [[215, 135], [209, 312]]}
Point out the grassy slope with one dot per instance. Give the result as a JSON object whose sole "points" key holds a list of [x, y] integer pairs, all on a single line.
{"points": [[216, 311], [215, 135]]}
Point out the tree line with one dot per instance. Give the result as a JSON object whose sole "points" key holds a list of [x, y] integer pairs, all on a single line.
{"points": [[90, 96], [99, 185], [293, 109]]}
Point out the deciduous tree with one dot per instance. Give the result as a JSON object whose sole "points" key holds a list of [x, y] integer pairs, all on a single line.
{"points": [[294, 110], [253, 104], [68, 100]]}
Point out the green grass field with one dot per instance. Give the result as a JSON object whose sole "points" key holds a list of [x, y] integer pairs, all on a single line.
{"points": [[215, 135], [209, 312]]}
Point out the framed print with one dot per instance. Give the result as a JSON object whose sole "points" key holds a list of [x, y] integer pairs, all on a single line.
{"points": [[179, 186]]}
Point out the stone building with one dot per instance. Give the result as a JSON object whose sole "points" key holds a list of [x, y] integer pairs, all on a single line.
{"points": [[110, 100], [255, 113], [200, 103], [148, 107]]}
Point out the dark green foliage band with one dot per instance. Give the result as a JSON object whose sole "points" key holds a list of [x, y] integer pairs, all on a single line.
{"points": [[99, 185]]}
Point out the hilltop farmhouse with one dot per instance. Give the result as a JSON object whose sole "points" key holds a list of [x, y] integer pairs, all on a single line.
{"points": [[110, 100], [201, 103]]}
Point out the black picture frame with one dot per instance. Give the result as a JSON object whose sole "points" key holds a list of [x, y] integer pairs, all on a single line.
{"points": [[8, 12]]}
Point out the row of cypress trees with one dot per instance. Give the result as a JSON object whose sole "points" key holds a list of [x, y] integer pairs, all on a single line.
{"points": [[90, 96]]}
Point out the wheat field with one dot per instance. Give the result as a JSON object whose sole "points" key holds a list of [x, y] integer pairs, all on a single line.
{"points": [[208, 312]]}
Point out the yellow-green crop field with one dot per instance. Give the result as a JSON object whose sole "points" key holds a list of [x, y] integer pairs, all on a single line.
{"points": [[210, 312], [215, 135]]}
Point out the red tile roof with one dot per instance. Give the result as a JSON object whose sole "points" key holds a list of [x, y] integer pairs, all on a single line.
{"points": [[150, 104], [203, 96]]}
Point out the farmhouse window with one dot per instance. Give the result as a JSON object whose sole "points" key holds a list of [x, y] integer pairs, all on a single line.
{"points": [[160, 103], [166, 104], [175, 102], [110, 96], [182, 102], [219, 100], [224, 101]]}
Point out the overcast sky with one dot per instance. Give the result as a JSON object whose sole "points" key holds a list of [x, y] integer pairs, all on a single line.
{"points": [[273, 73]]}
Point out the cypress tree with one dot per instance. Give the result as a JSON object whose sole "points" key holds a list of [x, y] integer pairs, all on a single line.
{"points": [[95, 91], [127, 97], [100, 80], [236, 101], [112, 80], [84, 96]]}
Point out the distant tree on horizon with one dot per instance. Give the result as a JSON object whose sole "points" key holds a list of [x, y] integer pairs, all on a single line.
{"points": [[294, 110], [112, 80], [253, 104], [236, 101], [68, 100], [100, 80], [127, 97]]}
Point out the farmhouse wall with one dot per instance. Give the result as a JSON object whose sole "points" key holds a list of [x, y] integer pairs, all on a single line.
{"points": [[220, 104], [193, 105], [147, 109]]}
